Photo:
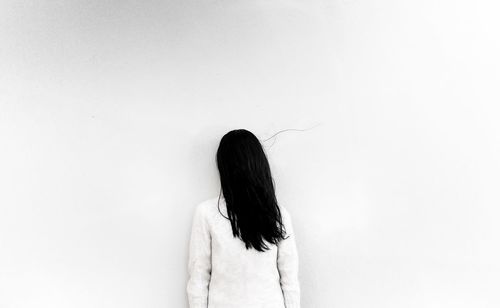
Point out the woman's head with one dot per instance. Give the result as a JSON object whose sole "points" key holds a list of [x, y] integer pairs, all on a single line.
{"points": [[248, 189]]}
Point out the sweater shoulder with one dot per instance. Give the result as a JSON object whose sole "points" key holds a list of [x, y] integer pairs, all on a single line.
{"points": [[287, 220], [285, 214], [207, 208]]}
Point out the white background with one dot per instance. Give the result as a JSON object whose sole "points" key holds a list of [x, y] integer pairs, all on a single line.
{"points": [[111, 113]]}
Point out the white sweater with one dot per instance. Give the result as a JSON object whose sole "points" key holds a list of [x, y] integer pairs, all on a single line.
{"points": [[222, 273]]}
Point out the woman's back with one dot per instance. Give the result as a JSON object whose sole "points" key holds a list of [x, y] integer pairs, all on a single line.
{"points": [[224, 274]]}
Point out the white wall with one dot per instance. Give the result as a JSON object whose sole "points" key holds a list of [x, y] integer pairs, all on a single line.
{"points": [[111, 112]]}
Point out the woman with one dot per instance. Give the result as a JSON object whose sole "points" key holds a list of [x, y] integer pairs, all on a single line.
{"points": [[242, 250]]}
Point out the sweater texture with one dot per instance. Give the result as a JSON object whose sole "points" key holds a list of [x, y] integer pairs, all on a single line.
{"points": [[222, 273]]}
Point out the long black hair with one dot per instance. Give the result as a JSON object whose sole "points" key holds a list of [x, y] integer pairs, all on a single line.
{"points": [[249, 191]]}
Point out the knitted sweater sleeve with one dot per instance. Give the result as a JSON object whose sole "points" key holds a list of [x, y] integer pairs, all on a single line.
{"points": [[288, 265], [199, 260]]}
